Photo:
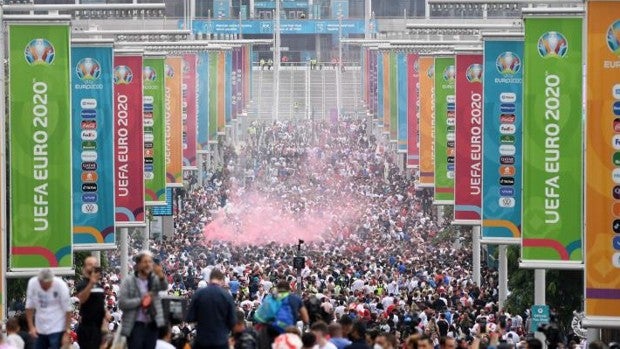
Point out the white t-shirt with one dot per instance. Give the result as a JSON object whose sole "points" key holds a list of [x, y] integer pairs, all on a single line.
{"points": [[162, 344], [51, 306], [15, 341]]}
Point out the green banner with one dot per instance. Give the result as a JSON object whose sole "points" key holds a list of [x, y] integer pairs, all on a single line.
{"points": [[213, 57], [552, 141], [154, 130], [393, 97], [40, 146], [445, 116]]}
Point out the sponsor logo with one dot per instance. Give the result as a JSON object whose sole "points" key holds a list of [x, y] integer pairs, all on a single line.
{"points": [[89, 187], [148, 145], [88, 113], [616, 226], [507, 129], [148, 152], [450, 174], [616, 242], [451, 99], [507, 118], [616, 192], [506, 181], [507, 97], [508, 63], [450, 128], [122, 75], [88, 69], [148, 122], [450, 159], [507, 108], [617, 125], [450, 167], [149, 175], [616, 142], [615, 260], [507, 170], [169, 71], [148, 73], [450, 144], [613, 37], [89, 176], [148, 160], [148, 167], [88, 103], [449, 73], [416, 67], [148, 129], [90, 208], [507, 202], [474, 73], [39, 52], [552, 44], [615, 175], [506, 191], [89, 124], [450, 136], [89, 145], [89, 197], [507, 139], [89, 156], [616, 159], [148, 138], [507, 160], [506, 149], [89, 166], [451, 114], [616, 91], [451, 107], [616, 108], [88, 135]]}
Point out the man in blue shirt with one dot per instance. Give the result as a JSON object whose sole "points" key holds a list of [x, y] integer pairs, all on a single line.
{"points": [[213, 310]]}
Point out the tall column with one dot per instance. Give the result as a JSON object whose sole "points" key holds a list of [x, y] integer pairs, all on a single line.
{"points": [[476, 253], [251, 9], [123, 242], [539, 287], [367, 18], [503, 275]]}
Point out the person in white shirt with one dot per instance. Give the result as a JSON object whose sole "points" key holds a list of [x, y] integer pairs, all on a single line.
{"points": [[48, 297], [12, 338], [321, 331], [165, 335]]}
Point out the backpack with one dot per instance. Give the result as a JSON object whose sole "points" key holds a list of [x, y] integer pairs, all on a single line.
{"points": [[276, 312]]}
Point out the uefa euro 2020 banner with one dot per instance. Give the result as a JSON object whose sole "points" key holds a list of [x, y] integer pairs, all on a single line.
{"points": [[174, 121], [413, 110], [93, 146], [552, 143], [40, 149], [445, 120], [468, 128], [426, 97], [503, 116], [602, 236], [128, 143], [402, 80], [190, 122], [154, 130]]}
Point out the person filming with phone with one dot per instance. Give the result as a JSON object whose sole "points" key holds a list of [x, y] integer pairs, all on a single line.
{"points": [[90, 293]]}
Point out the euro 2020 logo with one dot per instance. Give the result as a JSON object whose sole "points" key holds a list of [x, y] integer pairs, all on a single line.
{"points": [[508, 63], [88, 69], [613, 37], [39, 52], [430, 72], [552, 44], [122, 75], [149, 73], [169, 71], [449, 74], [474, 73]]}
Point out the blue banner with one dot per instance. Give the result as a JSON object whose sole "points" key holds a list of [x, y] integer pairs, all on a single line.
{"points": [[203, 101], [288, 26], [164, 210], [403, 74], [221, 9], [502, 161], [228, 102], [340, 8], [92, 112], [379, 114]]}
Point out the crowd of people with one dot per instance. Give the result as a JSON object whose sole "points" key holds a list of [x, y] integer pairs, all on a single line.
{"points": [[377, 267]]}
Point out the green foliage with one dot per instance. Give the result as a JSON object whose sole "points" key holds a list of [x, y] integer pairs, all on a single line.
{"points": [[564, 290]]}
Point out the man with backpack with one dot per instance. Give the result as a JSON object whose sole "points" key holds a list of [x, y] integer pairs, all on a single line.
{"points": [[278, 311]]}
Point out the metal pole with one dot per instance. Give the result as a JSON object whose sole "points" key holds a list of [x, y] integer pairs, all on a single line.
{"points": [[308, 89], [276, 63], [201, 170], [147, 231], [3, 141], [339, 72], [427, 9], [539, 287], [124, 247], [192, 15], [503, 275], [476, 254], [367, 17]]}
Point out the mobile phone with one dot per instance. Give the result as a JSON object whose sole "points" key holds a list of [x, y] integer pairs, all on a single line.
{"points": [[98, 269]]}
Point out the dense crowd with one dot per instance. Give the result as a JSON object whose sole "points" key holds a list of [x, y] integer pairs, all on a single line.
{"points": [[328, 192]]}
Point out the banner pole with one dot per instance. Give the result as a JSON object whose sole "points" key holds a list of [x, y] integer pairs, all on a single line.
{"points": [[476, 253], [3, 227], [503, 275], [539, 287], [123, 243]]}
